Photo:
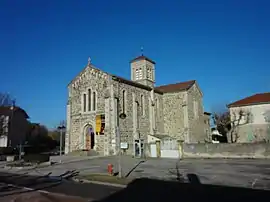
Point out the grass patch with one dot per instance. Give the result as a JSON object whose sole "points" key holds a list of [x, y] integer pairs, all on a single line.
{"points": [[105, 178]]}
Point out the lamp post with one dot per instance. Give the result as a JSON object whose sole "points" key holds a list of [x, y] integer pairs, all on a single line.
{"points": [[121, 116], [61, 128]]}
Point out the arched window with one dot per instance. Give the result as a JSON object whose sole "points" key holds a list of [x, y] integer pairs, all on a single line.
{"points": [[89, 100], [124, 101], [84, 102], [142, 105], [157, 110], [140, 73], [150, 73], [94, 101], [137, 114], [137, 74]]}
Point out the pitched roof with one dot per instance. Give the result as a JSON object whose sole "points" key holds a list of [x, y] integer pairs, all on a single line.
{"points": [[83, 70], [170, 88], [142, 57], [133, 83], [259, 98], [6, 110]]}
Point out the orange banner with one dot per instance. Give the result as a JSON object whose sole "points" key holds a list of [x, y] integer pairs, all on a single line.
{"points": [[98, 123]]}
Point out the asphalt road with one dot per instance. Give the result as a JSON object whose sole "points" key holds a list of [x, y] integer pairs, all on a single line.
{"points": [[86, 190], [67, 187], [138, 190], [249, 173], [240, 173]]}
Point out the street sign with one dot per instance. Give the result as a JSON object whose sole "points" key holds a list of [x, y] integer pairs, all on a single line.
{"points": [[124, 145]]}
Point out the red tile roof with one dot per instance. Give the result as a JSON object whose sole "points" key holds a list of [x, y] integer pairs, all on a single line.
{"points": [[252, 100], [176, 87], [142, 57]]}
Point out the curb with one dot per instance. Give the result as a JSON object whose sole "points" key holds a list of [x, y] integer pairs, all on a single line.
{"points": [[100, 183], [42, 165], [78, 160], [50, 164]]}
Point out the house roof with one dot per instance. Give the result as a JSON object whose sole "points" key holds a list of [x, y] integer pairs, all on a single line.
{"points": [[133, 83], [142, 57], [207, 113], [260, 98], [6, 110], [170, 88]]}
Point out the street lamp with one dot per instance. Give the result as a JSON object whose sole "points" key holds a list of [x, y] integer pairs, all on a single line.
{"points": [[61, 128], [121, 116]]}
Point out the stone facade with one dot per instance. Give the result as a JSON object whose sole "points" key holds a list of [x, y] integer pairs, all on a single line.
{"points": [[147, 109], [195, 115], [175, 118]]}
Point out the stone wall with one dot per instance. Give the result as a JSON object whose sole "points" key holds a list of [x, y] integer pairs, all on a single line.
{"points": [[196, 123], [174, 114], [128, 129], [180, 120], [237, 150]]}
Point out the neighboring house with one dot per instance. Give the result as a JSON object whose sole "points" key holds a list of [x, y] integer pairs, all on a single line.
{"points": [[215, 135], [254, 125], [96, 97], [13, 126]]}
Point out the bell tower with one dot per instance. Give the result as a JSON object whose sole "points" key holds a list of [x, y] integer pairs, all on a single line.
{"points": [[143, 70]]}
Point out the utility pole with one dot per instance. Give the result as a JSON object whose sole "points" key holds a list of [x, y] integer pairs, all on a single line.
{"points": [[11, 120], [121, 116], [61, 127]]}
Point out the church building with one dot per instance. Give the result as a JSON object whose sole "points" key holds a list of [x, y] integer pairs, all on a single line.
{"points": [[102, 107]]}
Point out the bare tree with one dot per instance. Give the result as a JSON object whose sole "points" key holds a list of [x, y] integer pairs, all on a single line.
{"points": [[228, 123], [5, 99], [267, 120]]}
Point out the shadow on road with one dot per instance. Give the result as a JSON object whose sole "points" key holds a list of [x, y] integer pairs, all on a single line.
{"points": [[158, 190], [14, 184], [134, 168], [138, 190]]}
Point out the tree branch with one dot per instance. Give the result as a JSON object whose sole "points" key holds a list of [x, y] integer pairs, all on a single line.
{"points": [[227, 123]]}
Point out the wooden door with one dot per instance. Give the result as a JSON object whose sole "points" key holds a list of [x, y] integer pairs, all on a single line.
{"points": [[88, 139], [158, 148]]}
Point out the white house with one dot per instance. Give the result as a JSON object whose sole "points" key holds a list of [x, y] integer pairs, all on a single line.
{"points": [[252, 117]]}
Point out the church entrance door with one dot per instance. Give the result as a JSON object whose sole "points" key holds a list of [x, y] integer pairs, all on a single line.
{"points": [[89, 138]]}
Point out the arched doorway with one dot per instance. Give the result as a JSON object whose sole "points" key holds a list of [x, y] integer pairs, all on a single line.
{"points": [[89, 136]]}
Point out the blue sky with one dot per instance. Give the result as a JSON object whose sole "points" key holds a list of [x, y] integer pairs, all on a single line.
{"points": [[223, 44]]}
